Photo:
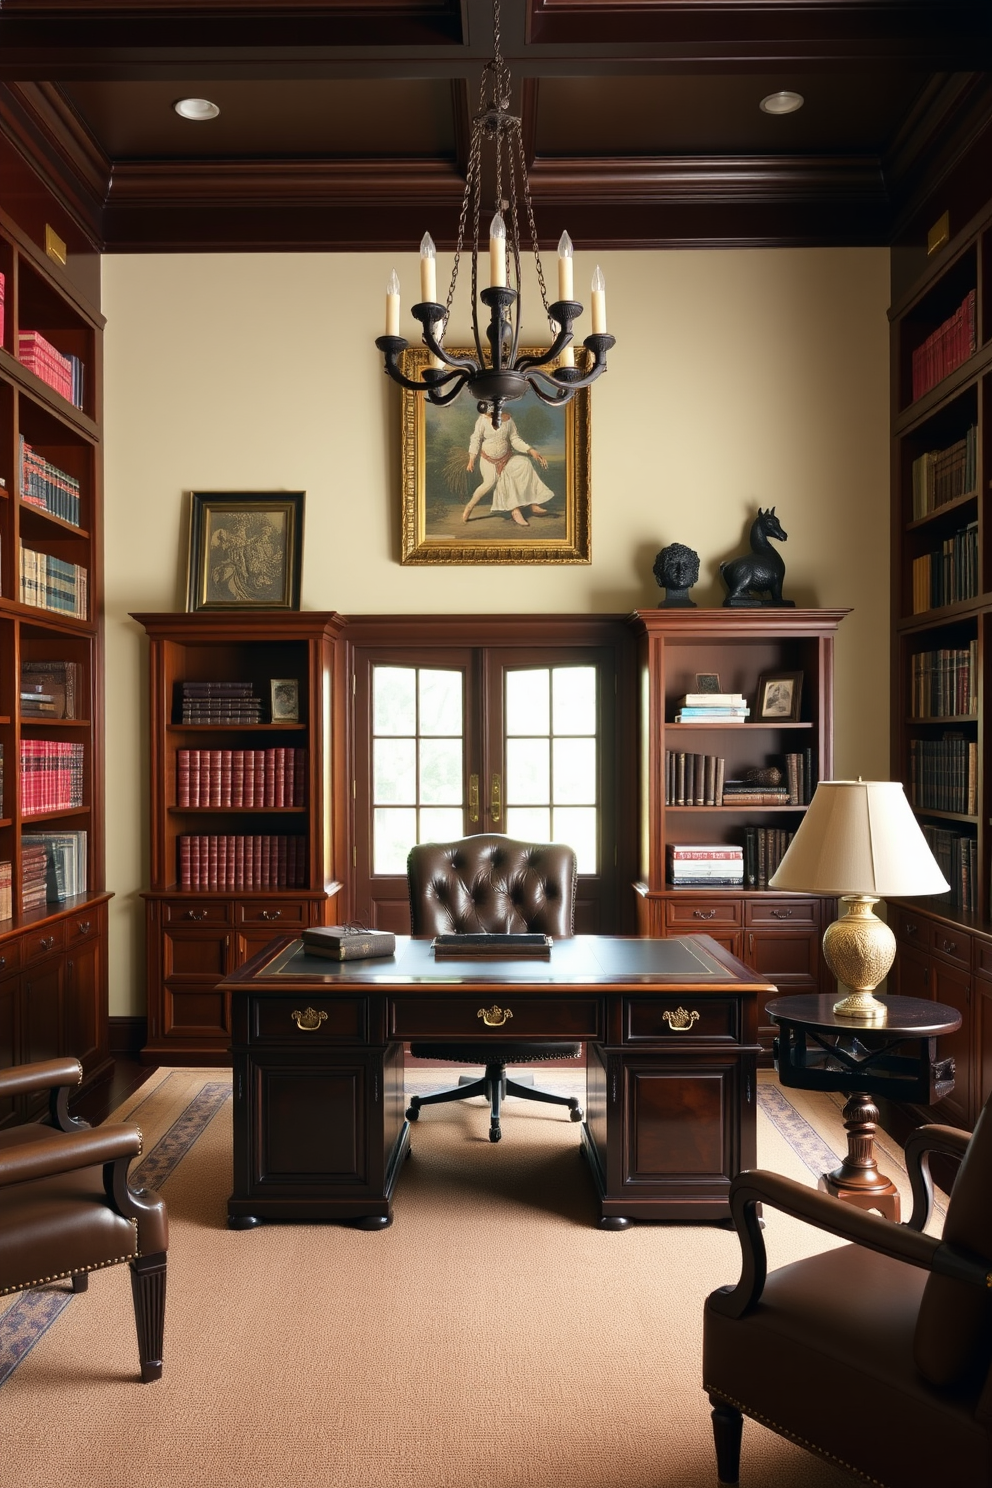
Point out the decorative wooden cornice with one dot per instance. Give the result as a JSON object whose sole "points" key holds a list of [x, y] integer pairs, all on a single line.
{"points": [[39, 121]]}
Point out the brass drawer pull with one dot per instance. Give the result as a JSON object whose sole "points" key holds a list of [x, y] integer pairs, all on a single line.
{"points": [[271, 914], [84, 926], [680, 1021], [196, 914], [949, 947], [703, 914], [47, 942], [309, 1020], [494, 1017], [781, 914]]}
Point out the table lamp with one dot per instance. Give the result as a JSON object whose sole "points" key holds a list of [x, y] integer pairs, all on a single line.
{"points": [[859, 842]]}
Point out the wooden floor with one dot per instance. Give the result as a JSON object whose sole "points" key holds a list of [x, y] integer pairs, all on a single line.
{"points": [[97, 1103]]}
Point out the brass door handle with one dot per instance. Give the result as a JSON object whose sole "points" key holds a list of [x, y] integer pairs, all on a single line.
{"points": [[473, 798], [495, 798], [309, 1020], [494, 1017]]}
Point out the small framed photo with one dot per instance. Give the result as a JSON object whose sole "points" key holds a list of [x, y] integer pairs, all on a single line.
{"points": [[285, 692], [779, 697], [708, 682], [245, 550]]}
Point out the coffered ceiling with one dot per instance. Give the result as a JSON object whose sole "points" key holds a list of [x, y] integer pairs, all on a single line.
{"points": [[346, 124]]}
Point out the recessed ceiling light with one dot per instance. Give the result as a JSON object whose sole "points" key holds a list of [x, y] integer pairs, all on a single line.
{"points": [[781, 103], [202, 108]]}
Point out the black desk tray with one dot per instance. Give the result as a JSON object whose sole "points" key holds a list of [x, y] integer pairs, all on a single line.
{"points": [[498, 947]]}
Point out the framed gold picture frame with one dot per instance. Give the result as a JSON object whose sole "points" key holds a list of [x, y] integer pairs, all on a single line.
{"points": [[245, 550], [521, 497]]}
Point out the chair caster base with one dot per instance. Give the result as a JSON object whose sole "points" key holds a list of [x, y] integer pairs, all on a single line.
{"points": [[413, 1113], [576, 1113], [495, 1135]]}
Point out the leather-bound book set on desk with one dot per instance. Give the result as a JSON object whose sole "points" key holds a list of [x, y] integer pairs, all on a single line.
{"points": [[348, 942]]}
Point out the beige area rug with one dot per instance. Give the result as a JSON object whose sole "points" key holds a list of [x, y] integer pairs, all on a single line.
{"points": [[492, 1336]]}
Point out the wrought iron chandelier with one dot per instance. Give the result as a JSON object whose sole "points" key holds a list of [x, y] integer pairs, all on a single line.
{"points": [[497, 375]]}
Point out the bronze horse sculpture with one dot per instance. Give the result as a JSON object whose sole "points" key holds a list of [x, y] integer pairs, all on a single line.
{"points": [[759, 572]]}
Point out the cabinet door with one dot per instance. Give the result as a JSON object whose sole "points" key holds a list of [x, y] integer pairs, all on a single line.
{"points": [[910, 974], [952, 987], [682, 1123], [82, 1000], [41, 1023], [790, 959], [8, 1041], [194, 962]]}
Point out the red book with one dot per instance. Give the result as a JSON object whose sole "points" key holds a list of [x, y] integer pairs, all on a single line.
{"points": [[239, 861], [269, 797], [226, 767], [279, 785], [260, 778], [182, 777], [216, 778], [184, 863], [237, 777]]}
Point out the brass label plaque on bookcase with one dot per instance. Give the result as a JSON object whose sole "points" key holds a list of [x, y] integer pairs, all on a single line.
{"points": [[939, 234]]}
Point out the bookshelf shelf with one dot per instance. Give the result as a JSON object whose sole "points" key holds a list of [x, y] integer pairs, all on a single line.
{"points": [[228, 877], [53, 950], [778, 935], [945, 943]]}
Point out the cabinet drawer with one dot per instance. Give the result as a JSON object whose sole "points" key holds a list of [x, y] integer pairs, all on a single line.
{"points": [[80, 927], [951, 945], [688, 1017], [771, 912], [522, 1016], [43, 942], [267, 912], [911, 928], [196, 911], [10, 957], [303, 1020], [698, 914]]}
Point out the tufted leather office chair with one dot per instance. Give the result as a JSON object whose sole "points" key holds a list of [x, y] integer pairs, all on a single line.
{"points": [[875, 1355], [493, 885], [66, 1207]]}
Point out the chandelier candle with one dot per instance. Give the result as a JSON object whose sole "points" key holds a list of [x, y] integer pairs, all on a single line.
{"points": [[493, 371]]}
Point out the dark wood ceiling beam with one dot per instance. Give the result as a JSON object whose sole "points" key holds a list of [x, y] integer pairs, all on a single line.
{"points": [[708, 178]]}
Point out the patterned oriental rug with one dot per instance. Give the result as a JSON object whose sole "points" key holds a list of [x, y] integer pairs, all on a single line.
{"points": [[491, 1336]]}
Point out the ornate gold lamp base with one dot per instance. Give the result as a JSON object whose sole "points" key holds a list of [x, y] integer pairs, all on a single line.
{"points": [[859, 948]]}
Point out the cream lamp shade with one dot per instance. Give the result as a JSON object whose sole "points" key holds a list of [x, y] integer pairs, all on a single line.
{"points": [[860, 842]]}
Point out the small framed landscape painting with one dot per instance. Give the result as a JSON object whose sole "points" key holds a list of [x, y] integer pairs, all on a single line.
{"points": [[245, 550], [475, 494], [285, 699], [779, 697]]}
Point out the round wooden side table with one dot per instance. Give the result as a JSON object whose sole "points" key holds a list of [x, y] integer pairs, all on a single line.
{"points": [[817, 1050]]}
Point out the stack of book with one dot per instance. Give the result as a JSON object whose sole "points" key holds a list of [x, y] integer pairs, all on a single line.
{"points": [[233, 861], [49, 689], [6, 888], [743, 793], [51, 776], [957, 859], [693, 779], [944, 683], [946, 348], [704, 864], [764, 849], [948, 574], [219, 702], [34, 877], [943, 475], [63, 372], [712, 707], [46, 486], [51, 583], [240, 777], [65, 863]]}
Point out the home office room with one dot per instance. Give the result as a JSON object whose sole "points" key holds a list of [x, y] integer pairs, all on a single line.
{"points": [[494, 829]]}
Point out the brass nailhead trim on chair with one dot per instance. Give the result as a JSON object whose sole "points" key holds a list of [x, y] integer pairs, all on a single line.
{"points": [[26, 1286], [800, 1441]]}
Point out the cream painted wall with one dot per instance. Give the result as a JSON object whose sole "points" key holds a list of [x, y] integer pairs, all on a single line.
{"points": [[740, 378]]}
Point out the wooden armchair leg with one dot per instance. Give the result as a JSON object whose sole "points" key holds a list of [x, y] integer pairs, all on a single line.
{"points": [[148, 1291], [728, 1425]]}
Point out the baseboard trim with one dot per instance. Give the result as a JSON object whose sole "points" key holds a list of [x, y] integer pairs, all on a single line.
{"points": [[127, 1036]]}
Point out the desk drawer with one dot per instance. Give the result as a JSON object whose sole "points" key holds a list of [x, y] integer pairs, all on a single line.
{"points": [[910, 927], [307, 1021], [785, 912], [43, 942], [196, 912], [521, 1016], [683, 1018]]}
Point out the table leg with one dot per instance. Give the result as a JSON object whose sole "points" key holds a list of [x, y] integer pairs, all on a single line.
{"points": [[857, 1179]]}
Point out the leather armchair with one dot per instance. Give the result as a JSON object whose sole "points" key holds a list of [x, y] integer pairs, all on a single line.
{"points": [[875, 1355], [497, 886], [66, 1207]]}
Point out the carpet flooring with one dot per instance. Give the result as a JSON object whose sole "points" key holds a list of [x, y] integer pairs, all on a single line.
{"points": [[492, 1336]]}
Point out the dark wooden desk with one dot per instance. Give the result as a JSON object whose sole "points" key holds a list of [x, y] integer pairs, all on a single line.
{"points": [[670, 1028], [816, 1049]]}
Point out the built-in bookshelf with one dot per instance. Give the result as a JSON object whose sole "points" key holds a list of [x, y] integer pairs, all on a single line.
{"points": [[242, 813], [53, 930], [767, 768], [942, 630]]}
